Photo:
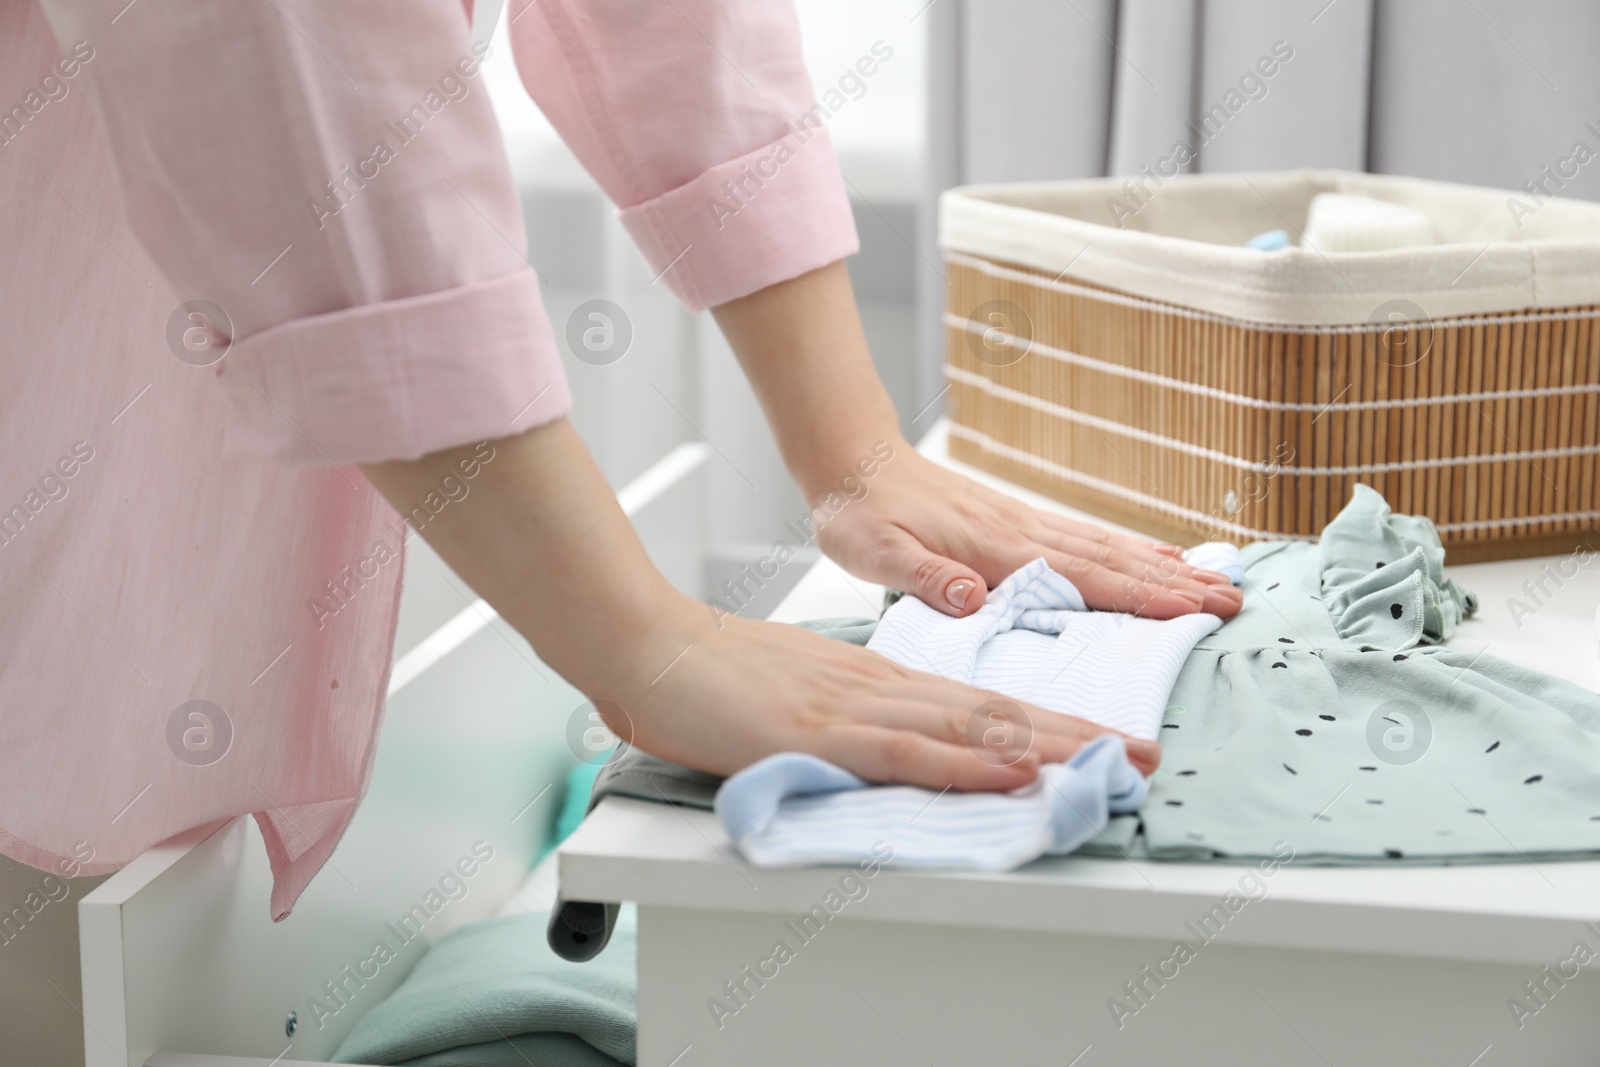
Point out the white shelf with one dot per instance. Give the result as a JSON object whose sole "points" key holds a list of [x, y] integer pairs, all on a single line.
{"points": [[1493, 913]]}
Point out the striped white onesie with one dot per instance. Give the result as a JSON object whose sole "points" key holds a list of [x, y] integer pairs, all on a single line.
{"points": [[1034, 640]]}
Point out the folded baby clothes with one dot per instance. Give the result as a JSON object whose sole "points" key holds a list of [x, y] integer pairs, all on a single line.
{"points": [[1033, 641], [1327, 716], [491, 994], [793, 809]]}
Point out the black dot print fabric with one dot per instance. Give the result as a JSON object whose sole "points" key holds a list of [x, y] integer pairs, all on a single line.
{"points": [[1342, 726]]}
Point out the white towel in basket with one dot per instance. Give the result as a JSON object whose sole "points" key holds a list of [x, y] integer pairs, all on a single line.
{"points": [[1341, 222]]}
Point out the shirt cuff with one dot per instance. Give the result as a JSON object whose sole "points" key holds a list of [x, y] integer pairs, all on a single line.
{"points": [[765, 217], [397, 379]]}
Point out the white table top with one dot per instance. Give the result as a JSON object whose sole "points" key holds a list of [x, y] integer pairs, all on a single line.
{"points": [[1514, 913]]}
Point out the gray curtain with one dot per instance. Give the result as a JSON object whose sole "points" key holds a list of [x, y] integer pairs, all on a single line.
{"points": [[1489, 92]]}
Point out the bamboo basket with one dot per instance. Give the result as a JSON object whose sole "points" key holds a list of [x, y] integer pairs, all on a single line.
{"points": [[1168, 379]]}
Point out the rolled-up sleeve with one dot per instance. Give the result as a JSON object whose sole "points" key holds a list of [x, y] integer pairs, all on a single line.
{"points": [[330, 176], [698, 120]]}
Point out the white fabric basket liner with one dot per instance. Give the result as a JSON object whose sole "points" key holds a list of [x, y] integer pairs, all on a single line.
{"points": [[1185, 246]]}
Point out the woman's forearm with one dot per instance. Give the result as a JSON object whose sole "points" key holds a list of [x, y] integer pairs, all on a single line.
{"points": [[801, 345], [541, 537]]}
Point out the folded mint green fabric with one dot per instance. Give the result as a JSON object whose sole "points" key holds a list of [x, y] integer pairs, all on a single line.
{"points": [[492, 994], [524, 1050], [1325, 716]]}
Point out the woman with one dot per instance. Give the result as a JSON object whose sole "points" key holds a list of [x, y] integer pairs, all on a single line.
{"points": [[329, 180]]}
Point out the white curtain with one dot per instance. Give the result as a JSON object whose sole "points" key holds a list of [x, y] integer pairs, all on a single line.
{"points": [[1489, 92]]}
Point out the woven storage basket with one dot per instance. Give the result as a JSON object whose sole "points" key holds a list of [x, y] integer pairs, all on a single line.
{"points": [[1164, 376]]}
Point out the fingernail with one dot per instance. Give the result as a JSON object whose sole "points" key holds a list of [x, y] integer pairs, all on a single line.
{"points": [[1213, 577], [1171, 550], [958, 591], [1193, 596], [1028, 766]]}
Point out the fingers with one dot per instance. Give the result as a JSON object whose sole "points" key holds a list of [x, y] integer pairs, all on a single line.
{"points": [[1223, 599], [1009, 728], [1056, 736], [997, 729], [1137, 561], [1147, 565], [1211, 577], [1144, 755], [909, 757], [1133, 545], [881, 754], [905, 563], [999, 726], [1091, 532], [1108, 590], [1134, 580]]}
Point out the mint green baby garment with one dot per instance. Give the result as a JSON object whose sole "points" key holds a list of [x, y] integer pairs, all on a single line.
{"points": [[492, 994], [1326, 715]]}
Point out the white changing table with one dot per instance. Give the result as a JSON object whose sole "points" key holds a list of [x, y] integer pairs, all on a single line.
{"points": [[1365, 966]]}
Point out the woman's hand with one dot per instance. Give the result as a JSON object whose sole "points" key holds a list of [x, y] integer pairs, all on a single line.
{"points": [[719, 694], [923, 528], [541, 537], [920, 527]]}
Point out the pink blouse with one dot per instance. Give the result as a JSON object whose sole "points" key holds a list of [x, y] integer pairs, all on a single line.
{"points": [[317, 193]]}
